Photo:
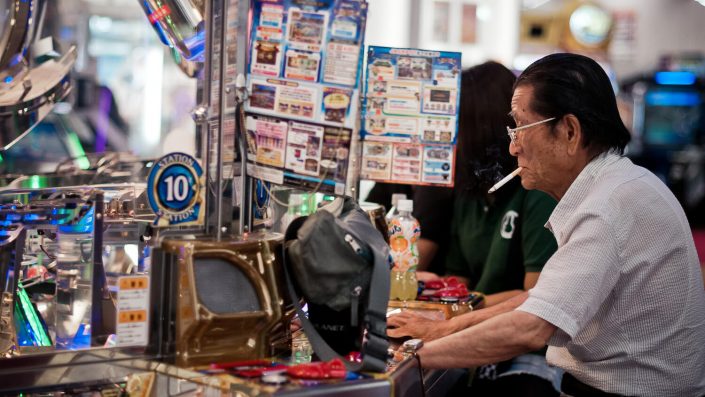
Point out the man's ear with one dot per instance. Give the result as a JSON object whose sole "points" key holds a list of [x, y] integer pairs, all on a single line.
{"points": [[573, 133]]}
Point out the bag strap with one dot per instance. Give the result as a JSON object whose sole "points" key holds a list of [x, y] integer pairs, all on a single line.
{"points": [[374, 351]]}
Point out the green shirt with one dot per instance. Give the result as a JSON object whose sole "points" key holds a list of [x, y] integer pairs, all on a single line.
{"points": [[495, 243]]}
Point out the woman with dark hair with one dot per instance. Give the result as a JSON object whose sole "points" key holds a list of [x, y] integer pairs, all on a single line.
{"points": [[496, 243]]}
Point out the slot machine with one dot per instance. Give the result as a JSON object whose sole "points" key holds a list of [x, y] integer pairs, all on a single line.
{"points": [[216, 301]]}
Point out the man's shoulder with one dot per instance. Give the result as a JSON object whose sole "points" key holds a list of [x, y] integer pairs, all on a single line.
{"points": [[626, 182], [600, 192], [615, 180]]}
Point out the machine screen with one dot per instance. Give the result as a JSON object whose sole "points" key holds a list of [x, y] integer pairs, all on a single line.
{"points": [[672, 118]]}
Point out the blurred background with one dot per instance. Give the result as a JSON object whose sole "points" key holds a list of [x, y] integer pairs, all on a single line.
{"points": [[130, 96]]}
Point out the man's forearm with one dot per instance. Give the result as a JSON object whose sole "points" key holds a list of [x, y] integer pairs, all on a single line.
{"points": [[502, 337], [499, 297], [475, 317]]}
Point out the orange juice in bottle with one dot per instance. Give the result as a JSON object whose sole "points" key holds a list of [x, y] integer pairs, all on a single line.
{"points": [[404, 232]]}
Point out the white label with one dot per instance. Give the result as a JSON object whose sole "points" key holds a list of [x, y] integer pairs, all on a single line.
{"points": [[133, 311]]}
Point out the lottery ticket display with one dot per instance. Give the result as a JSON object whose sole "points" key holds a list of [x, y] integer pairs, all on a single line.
{"points": [[304, 72], [410, 116]]}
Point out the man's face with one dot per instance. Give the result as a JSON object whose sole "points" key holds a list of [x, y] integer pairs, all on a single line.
{"points": [[541, 154]]}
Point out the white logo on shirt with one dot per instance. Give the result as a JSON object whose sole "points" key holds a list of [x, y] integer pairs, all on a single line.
{"points": [[507, 230]]}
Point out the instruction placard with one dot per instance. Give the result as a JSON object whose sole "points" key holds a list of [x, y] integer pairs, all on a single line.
{"points": [[132, 311]]}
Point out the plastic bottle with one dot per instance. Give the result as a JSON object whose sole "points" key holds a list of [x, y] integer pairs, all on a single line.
{"points": [[404, 233], [393, 211]]}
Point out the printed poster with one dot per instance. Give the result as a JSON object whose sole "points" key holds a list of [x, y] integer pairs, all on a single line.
{"points": [[298, 154], [303, 53], [410, 116], [304, 84]]}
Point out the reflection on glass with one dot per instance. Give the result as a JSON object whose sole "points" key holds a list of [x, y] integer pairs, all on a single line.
{"points": [[179, 23]]}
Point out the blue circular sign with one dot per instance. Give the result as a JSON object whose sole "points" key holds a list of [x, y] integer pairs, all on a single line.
{"points": [[174, 188]]}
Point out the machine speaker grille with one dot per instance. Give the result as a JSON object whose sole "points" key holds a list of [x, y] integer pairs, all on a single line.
{"points": [[223, 288]]}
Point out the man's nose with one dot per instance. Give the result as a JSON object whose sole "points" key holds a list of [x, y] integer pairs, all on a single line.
{"points": [[514, 148]]}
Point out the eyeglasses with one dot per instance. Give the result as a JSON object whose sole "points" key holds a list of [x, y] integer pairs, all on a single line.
{"points": [[512, 132]]}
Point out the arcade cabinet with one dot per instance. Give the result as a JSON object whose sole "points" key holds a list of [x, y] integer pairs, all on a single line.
{"points": [[669, 135]]}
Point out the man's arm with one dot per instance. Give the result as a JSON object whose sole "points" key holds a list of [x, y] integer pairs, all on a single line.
{"points": [[475, 317], [416, 326], [530, 280], [500, 338]]}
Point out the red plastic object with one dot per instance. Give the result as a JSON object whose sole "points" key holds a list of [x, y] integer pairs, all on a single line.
{"points": [[444, 282], [333, 369], [452, 281], [249, 368], [458, 291]]}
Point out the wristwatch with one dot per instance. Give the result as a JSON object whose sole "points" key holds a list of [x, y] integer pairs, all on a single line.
{"points": [[410, 348], [412, 345]]}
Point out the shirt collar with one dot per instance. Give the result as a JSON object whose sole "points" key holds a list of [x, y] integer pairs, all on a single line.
{"points": [[577, 190]]}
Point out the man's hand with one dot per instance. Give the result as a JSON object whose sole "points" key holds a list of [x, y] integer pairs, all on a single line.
{"points": [[426, 276], [417, 326]]}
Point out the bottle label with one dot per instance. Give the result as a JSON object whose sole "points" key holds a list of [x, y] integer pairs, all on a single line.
{"points": [[403, 236]]}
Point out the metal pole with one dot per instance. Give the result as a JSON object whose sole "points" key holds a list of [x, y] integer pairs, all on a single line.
{"points": [[221, 121], [205, 126], [201, 114], [245, 182], [243, 39]]}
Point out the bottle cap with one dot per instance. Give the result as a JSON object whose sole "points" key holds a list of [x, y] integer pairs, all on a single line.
{"points": [[405, 205], [396, 197]]}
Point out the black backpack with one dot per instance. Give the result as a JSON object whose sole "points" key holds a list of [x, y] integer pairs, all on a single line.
{"points": [[340, 263]]}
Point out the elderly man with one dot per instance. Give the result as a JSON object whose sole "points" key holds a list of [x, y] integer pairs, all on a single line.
{"points": [[621, 303]]}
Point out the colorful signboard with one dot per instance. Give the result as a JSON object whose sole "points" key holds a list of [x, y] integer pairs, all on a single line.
{"points": [[305, 62], [410, 116]]}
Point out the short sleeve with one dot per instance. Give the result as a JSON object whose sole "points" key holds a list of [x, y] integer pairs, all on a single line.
{"points": [[578, 277], [538, 243]]}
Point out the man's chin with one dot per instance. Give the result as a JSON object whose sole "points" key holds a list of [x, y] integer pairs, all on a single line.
{"points": [[527, 183]]}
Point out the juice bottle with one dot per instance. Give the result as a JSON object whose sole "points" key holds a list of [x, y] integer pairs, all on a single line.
{"points": [[394, 211], [404, 232]]}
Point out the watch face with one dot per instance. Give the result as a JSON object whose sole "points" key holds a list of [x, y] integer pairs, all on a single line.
{"points": [[590, 24], [413, 344]]}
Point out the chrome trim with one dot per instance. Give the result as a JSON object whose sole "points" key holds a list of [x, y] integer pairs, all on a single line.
{"points": [[26, 104]]}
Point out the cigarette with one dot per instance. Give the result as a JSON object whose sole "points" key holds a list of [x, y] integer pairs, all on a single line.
{"points": [[504, 180]]}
